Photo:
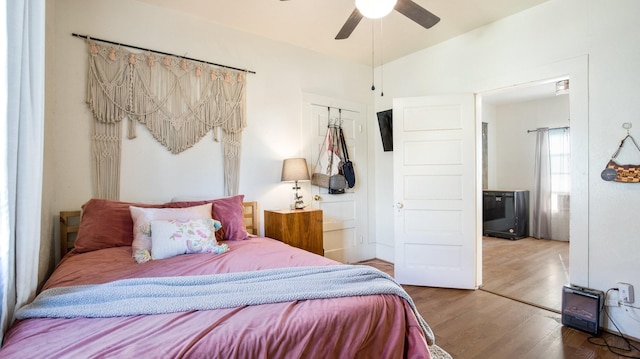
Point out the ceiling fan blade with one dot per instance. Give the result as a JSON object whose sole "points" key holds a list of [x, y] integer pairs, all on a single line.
{"points": [[416, 13], [349, 25]]}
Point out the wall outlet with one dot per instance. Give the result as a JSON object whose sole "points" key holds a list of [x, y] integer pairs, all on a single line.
{"points": [[625, 292]]}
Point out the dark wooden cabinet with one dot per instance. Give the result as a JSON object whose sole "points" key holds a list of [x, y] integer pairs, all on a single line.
{"points": [[300, 228]]}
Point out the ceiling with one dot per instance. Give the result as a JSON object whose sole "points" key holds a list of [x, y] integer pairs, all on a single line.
{"points": [[313, 24]]}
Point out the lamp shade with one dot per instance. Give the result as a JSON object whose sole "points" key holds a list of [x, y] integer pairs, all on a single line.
{"points": [[375, 9], [295, 169]]}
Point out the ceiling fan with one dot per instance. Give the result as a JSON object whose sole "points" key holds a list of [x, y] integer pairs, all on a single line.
{"points": [[408, 8]]}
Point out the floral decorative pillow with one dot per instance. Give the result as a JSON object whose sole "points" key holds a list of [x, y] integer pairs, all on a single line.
{"points": [[142, 218], [229, 211], [170, 238]]}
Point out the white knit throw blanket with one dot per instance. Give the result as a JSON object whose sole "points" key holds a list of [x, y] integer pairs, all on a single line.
{"points": [[178, 294]]}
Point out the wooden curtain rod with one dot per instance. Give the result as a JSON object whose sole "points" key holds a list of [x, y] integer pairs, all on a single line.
{"points": [[555, 128], [161, 52]]}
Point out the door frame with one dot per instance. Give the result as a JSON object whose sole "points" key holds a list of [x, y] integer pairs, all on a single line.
{"points": [[577, 70]]}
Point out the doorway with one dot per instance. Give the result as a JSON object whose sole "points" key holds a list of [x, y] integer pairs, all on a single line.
{"points": [[529, 270], [577, 70]]}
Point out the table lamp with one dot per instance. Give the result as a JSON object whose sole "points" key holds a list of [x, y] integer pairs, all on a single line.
{"points": [[295, 169]]}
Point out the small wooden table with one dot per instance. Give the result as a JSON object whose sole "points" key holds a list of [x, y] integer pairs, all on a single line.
{"points": [[300, 228]]}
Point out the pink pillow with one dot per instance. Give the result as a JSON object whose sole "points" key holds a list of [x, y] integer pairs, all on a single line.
{"points": [[105, 224], [229, 211], [142, 218]]}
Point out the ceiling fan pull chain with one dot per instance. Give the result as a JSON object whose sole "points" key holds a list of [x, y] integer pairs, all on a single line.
{"points": [[373, 78], [381, 59]]}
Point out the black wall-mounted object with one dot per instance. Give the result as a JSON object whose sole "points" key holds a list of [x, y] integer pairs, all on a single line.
{"points": [[385, 121]]}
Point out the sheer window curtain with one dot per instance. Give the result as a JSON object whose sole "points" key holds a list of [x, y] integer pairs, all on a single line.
{"points": [[552, 181], [541, 202], [21, 152]]}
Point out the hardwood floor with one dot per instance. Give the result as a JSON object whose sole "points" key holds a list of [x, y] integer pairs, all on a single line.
{"points": [[531, 270], [479, 324]]}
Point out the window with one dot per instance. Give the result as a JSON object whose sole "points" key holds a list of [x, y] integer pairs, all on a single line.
{"points": [[559, 159]]}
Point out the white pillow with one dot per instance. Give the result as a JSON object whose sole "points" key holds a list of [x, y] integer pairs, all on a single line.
{"points": [[142, 217], [170, 238]]}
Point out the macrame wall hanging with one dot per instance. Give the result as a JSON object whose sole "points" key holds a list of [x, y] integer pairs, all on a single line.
{"points": [[177, 99]]}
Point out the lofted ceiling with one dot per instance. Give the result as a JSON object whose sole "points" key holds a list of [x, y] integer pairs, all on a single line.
{"points": [[313, 24]]}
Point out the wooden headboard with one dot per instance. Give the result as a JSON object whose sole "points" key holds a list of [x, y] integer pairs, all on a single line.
{"points": [[251, 217], [69, 223]]}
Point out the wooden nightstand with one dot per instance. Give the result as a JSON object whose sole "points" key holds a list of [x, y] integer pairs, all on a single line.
{"points": [[300, 228]]}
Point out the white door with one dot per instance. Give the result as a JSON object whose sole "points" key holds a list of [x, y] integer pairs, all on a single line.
{"points": [[436, 191], [344, 215]]}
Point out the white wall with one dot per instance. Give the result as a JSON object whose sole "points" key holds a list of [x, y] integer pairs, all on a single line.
{"points": [[149, 172], [535, 41], [515, 147]]}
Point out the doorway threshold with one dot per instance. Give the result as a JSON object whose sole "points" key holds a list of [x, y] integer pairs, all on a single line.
{"points": [[521, 301]]}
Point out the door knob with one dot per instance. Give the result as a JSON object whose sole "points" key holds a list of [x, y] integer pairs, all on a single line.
{"points": [[399, 205], [317, 198]]}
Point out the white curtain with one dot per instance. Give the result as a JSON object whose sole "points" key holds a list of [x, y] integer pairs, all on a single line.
{"points": [[21, 152], [560, 156], [541, 201]]}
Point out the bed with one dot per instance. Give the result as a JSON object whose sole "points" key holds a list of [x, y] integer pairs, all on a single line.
{"points": [[124, 315]]}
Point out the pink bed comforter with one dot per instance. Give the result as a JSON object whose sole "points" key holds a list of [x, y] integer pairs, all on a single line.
{"points": [[380, 326]]}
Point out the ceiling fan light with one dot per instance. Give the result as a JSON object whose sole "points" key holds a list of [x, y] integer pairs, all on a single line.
{"points": [[375, 9]]}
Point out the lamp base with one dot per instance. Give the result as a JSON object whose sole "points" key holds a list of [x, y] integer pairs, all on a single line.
{"points": [[298, 204]]}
